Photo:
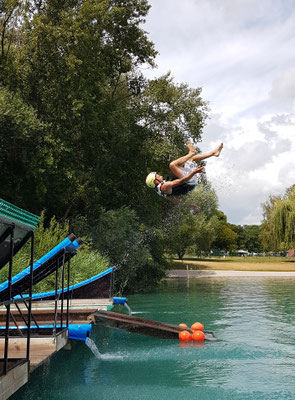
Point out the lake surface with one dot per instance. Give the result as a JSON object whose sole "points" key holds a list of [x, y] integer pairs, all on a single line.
{"points": [[254, 357]]}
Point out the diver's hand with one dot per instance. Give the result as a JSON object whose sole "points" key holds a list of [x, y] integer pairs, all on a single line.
{"points": [[199, 170]]}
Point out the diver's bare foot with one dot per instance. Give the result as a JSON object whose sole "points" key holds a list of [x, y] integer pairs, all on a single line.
{"points": [[218, 149], [191, 148]]}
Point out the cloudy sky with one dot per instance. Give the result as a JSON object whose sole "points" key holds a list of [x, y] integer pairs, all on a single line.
{"points": [[242, 53]]}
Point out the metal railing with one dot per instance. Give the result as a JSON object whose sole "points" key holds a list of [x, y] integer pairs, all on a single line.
{"points": [[27, 300], [7, 303]]}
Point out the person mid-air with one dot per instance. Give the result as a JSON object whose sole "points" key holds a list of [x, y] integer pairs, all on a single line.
{"points": [[184, 169]]}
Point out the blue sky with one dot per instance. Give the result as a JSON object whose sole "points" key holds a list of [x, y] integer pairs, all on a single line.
{"points": [[242, 54]]}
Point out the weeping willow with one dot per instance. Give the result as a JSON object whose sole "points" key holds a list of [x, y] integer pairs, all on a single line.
{"points": [[283, 221], [267, 226]]}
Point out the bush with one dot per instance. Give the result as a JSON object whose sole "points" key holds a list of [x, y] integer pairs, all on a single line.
{"points": [[84, 265], [120, 237]]}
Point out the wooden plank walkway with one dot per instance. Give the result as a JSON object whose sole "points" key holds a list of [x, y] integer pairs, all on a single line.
{"points": [[41, 347], [81, 311]]}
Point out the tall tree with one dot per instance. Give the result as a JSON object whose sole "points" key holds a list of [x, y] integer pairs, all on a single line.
{"points": [[267, 225], [23, 158], [76, 65], [278, 226], [283, 216], [226, 238], [252, 238], [184, 230], [72, 66]]}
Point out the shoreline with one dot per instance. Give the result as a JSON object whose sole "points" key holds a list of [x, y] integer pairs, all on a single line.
{"points": [[262, 265], [183, 273]]}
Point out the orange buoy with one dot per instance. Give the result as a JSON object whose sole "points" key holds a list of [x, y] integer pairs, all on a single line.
{"points": [[198, 336], [182, 325], [197, 326], [185, 336]]}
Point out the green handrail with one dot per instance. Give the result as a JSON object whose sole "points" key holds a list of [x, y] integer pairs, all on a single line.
{"points": [[17, 214]]}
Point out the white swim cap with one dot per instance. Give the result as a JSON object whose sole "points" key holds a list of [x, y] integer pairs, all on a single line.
{"points": [[150, 179]]}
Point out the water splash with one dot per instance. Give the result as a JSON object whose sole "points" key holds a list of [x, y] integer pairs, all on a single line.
{"points": [[128, 308], [92, 346]]}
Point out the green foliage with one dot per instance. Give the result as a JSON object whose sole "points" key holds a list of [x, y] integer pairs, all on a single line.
{"points": [[278, 226], [205, 198], [74, 67], [119, 237], [83, 128], [155, 241], [241, 239], [206, 234], [170, 114], [10, 20], [248, 237], [252, 238], [182, 234], [97, 118], [85, 264], [23, 157], [225, 237], [197, 232]]}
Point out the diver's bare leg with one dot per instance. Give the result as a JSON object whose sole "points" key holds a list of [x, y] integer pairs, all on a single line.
{"points": [[175, 166], [216, 153]]}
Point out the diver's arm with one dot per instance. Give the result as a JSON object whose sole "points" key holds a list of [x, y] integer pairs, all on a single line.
{"points": [[180, 181]]}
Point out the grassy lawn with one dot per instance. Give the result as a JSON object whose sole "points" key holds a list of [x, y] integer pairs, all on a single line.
{"points": [[236, 263]]}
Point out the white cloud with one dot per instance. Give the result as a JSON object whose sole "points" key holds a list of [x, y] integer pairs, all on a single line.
{"points": [[241, 54], [283, 89], [255, 163]]}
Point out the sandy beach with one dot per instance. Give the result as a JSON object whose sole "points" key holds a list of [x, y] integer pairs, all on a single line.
{"points": [[259, 264], [182, 273]]}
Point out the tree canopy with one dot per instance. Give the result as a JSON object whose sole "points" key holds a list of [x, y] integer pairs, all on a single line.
{"points": [[81, 126], [96, 124], [277, 229]]}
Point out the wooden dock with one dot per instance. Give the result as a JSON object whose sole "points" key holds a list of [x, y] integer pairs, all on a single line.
{"points": [[42, 347], [81, 311]]}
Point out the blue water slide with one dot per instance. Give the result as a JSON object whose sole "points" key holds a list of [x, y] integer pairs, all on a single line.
{"points": [[41, 268], [44, 295]]}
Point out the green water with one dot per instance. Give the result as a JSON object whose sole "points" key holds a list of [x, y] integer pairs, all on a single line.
{"points": [[254, 358]]}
